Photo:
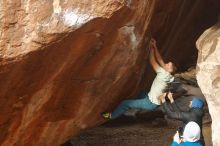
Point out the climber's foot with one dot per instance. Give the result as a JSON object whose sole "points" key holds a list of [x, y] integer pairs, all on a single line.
{"points": [[106, 115]]}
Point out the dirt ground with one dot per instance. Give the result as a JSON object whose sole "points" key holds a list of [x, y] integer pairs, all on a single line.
{"points": [[131, 131], [127, 132]]}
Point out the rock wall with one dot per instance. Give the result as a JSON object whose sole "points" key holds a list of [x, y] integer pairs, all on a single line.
{"points": [[64, 62], [208, 75]]}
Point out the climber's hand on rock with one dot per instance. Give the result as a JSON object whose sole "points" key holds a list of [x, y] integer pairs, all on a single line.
{"points": [[153, 43], [151, 47]]}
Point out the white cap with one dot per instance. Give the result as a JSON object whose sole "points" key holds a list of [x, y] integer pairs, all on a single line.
{"points": [[191, 132]]}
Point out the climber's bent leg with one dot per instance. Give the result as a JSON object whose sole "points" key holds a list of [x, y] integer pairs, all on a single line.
{"points": [[143, 103]]}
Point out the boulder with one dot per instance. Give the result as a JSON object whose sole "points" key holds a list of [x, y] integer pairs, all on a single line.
{"points": [[208, 75]]}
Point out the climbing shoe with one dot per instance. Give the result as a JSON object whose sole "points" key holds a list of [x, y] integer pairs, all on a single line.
{"points": [[106, 115]]}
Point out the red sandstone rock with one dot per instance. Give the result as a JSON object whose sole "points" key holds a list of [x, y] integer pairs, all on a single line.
{"points": [[64, 62], [208, 75]]}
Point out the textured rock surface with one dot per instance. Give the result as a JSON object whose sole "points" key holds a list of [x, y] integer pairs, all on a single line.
{"points": [[63, 62], [208, 75]]}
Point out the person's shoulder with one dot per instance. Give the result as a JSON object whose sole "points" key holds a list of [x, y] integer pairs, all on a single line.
{"points": [[197, 144], [190, 144], [174, 143], [160, 70]]}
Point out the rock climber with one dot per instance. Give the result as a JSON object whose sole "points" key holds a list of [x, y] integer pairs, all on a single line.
{"points": [[148, 100]]}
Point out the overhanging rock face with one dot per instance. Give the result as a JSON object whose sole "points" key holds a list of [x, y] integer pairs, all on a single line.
{"points": [[208, 75], [64, 62]]}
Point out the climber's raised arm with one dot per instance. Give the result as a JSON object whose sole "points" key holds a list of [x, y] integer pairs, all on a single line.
{"points": [[153, 61], [157, 53]]}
